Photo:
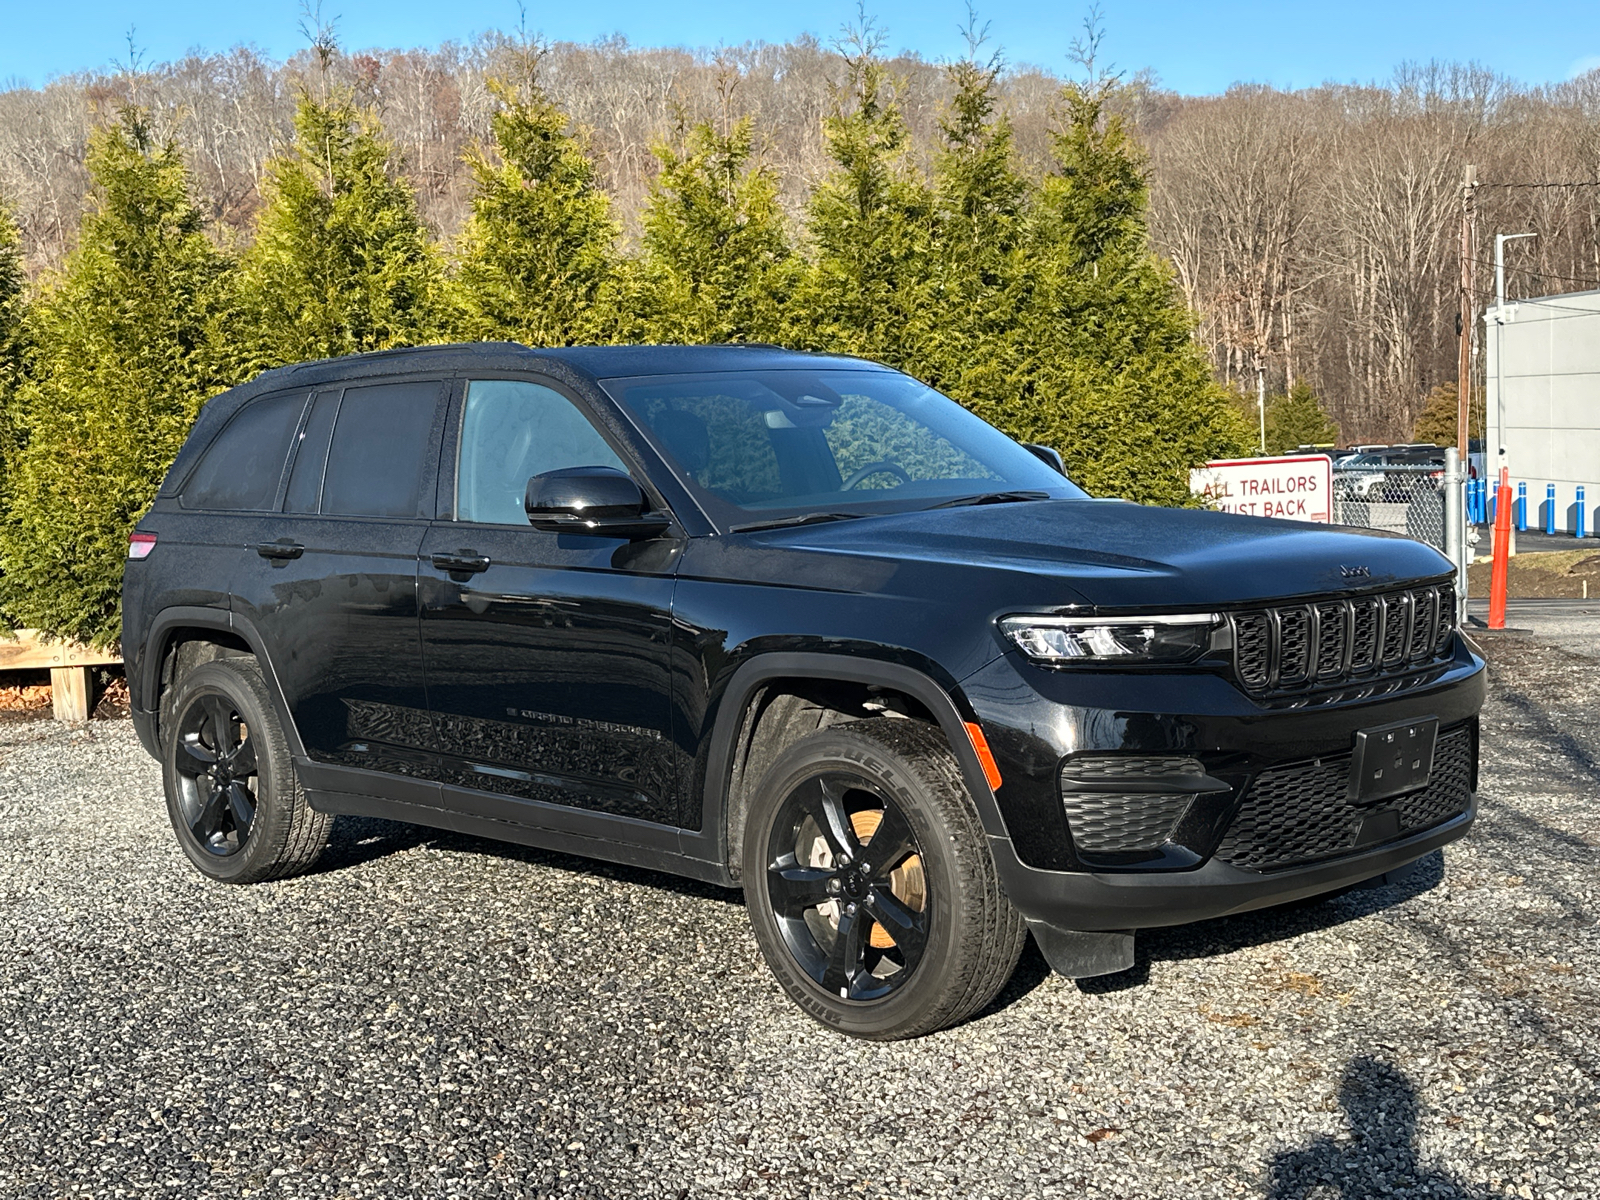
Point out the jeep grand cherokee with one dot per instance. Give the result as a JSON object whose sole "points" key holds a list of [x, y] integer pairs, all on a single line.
{"points": [[790, 623]]}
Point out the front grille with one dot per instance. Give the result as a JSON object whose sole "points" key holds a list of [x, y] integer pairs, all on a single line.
{"points": [[1112, 822], [1301, 813], [1331, 642]]}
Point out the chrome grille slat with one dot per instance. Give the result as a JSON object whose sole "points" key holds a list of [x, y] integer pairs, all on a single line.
{"points": [[1318, 644]]}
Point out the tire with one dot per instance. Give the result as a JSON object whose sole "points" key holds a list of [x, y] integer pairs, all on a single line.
{"points": [[911, 955], [248, 821]]}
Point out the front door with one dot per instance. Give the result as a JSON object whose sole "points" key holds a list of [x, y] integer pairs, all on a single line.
{"points": [[546, 654]]}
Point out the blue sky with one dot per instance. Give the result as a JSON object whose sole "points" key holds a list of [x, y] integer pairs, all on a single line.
{"points": [[1194, 48]]}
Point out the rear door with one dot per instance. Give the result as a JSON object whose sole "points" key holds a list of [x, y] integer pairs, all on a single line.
{"points": [[331, 580], [546, 654], [234, 488]]}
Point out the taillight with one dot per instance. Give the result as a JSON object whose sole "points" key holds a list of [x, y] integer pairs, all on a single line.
{"points": [[140, 544]]}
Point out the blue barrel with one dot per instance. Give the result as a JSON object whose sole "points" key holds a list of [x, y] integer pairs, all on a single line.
{"points": [[1520, 513], [1494, 502], [1550, 509], [1577, 527]]}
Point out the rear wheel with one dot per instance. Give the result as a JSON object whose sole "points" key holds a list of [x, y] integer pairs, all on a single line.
{"points": [[232, 794], [870, 886]]}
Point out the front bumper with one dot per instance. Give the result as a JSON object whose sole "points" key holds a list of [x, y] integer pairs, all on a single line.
{"points": [[1035, 718], [1127, 900]]}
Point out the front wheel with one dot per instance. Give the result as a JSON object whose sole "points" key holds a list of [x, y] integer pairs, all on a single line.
{"points": [[870, 886]]}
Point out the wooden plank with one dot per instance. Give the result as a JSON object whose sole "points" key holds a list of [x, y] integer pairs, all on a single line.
{"points": [[70, 690], [30, 650]]}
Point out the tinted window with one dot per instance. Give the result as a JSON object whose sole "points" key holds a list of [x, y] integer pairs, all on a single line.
{"points": [[241, 469], [381, 440], [305, 477], [512, 430], [864, 441]]}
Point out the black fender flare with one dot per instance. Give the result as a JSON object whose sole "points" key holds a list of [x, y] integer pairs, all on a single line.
{"points": [[945, 702], [159, 635]]}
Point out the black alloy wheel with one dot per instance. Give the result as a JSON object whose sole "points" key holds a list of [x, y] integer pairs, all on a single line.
{"points": [[846, 886], [869, 883], [217, 774], [233, 796]]}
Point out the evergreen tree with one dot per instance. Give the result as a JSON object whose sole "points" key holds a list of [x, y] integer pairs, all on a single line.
{"points": [[1437, 422], [121, 362], [341, 262], [868, 289], [1297, 419], [1116, 380], [537, 251], [717, 265], [12, 295], [980, 256]]}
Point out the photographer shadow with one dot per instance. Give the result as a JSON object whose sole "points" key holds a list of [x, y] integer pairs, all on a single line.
{"points": [[1378, 1154]]}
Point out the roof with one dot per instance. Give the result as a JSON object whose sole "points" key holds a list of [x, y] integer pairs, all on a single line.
{"points": [[596, 362], [571, 364]]}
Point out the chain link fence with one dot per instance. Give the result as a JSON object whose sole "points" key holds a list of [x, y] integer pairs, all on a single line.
{"points": [[1400, 499]]}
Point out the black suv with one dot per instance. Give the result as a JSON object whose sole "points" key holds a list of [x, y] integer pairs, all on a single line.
{"points": [[792, 623]]}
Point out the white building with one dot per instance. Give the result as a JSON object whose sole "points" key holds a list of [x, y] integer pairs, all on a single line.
{"points": [[1543, 372]]}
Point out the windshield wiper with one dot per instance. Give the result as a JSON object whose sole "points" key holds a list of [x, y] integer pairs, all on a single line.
{"points": [[816, 518], [989, 498]]}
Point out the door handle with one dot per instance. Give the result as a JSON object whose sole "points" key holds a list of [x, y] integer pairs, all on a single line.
{"points": [[283, 550], [464, 561]]}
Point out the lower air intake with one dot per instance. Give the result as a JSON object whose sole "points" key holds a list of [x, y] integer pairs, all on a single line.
{"points": [[1300, 814]]}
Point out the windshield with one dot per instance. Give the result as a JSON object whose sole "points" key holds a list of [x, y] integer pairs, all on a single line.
{"points": [[767, 444]]}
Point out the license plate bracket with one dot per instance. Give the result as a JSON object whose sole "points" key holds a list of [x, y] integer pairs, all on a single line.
{"points": [[1391, 760]]}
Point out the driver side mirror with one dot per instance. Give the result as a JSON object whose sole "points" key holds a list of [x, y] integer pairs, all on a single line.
{"points": [[1048, 455], [595, 501]]}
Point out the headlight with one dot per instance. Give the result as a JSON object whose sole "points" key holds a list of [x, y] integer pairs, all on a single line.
{"points": [[1060, 641]]}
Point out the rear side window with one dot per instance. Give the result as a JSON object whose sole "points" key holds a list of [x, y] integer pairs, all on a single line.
{"points": [[239, 472], [382, 436]]}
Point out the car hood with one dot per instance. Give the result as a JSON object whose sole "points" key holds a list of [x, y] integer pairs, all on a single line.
{"points": [[1103, 553]]}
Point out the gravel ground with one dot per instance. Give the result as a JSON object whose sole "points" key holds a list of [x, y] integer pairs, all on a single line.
{"points": [[439, 1016]]}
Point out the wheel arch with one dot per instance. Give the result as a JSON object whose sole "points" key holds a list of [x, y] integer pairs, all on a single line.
{"points": [[229, 634], [725, 795]]}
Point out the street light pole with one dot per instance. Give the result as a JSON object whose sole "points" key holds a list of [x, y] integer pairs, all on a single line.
{"points": [[1500, 240]]}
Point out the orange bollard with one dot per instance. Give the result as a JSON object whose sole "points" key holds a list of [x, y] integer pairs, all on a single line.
{"points": [[1502, 552]]}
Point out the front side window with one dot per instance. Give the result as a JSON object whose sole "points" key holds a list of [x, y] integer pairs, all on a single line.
{"points": [[769, 443], [512, 430], [239, 471]]}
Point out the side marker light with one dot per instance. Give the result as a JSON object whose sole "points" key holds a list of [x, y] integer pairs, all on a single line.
{"points": [[980, 746]]}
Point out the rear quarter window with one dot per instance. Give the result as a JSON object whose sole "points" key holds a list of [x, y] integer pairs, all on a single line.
{"points": [[240, 470]]}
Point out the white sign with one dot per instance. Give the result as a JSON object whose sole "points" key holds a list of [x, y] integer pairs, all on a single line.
{"points": [[1297, 487]]}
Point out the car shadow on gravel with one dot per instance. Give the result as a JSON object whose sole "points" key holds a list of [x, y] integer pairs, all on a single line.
{"points": [[359, 840], [1376, 1156], [1224, 935]]}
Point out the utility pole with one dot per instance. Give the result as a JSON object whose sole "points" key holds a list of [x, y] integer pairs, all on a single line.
{"points": [[1465, 322]]}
